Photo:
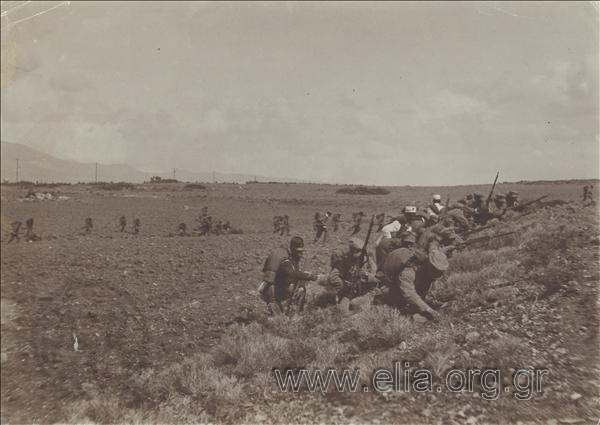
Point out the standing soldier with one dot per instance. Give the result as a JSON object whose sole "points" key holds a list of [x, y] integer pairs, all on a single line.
{"points": [[122, 223], [15, 229], [357, 218], [436, 207], [182, 229], [205, 225], [588, 197], [320, 226], [277, 224], [335, 220], [379, 220], [87, 228], [136, 226], [285, 226]]}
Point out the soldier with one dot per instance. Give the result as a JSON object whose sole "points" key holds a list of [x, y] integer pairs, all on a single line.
{"points": [[29, 235], [277, 224], [205, 225], [283, 283], [391, 229], [335, 220], [15, 229], [379, 220], [182, 229], [218, 227], [588, 195], [357, 218], [122, 223], [406, 239], [436, 207], [136, 226], [347, 276], [87, 228], [512, 199], [438, 237], [320, 226], [285, 226], [409, 275]]}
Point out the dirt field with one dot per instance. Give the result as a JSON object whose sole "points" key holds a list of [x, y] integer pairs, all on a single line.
{"points": [[153, 301]]}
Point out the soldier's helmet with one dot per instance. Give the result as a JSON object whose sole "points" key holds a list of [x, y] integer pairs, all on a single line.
{"points": [[437, 198], [438, 260], [297, 244], [512, 194]]}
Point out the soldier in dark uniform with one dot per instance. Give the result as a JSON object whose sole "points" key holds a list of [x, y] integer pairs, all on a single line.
{"points": [[15, 229], [320, 226], [335, 220], [277, 224], [357, 218], [289, 292], [87, 228], [285, 226], [136, 226], [122, 223], [205, 225], [182, 229], [379, 221], [588, 195]]}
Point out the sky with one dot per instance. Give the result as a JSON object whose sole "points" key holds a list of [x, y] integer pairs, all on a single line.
{"points": [[373, 93]]}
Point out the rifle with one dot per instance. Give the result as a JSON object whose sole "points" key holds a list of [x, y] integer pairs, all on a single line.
{"points": [[477, 230], [526, 204], [355, 288], [489, 198], [479, 239]]}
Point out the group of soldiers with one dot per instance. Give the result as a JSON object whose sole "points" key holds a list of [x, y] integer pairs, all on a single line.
{"points": [[135, 228], [410, 253], [15, 233], [207, 226], [281, 225]]}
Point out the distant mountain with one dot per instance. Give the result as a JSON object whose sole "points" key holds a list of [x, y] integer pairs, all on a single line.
{"points": [[38, 166]]}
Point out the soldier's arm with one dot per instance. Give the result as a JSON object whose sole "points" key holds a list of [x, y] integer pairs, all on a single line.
{"points": [[334, 280], [406, 283], [291, 274]]}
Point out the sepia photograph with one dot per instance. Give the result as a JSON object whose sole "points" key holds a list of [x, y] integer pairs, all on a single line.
{"points": [[294, 212]]}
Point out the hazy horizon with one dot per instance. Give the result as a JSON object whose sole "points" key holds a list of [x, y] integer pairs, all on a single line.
{"points": [[360, 93]]}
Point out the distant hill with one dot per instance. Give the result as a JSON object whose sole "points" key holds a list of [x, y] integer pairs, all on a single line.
{"points": [[38, 166]]}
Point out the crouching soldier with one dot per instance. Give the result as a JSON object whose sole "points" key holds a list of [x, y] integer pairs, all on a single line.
{"points": [[351, 276], [283, 287], [408, 276]]}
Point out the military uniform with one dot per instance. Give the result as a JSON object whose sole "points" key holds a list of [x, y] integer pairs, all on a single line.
{"points": [[357, 218], [87, 228], [276, 224], [284, 226], [335, 220], [122, 223], [409, 278], [136, 226], [320, 226], [15, 229]]}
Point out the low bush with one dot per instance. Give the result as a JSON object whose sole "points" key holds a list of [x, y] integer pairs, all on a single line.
{"points": [[363, 190]]}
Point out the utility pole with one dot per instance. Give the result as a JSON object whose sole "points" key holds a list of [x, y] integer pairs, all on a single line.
{"points": [[17, 170], [174, 173], [96, 174]]}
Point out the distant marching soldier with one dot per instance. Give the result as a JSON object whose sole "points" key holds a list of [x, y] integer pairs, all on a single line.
{"points": [[379, 221], [87, 228], [136, 226], [122, 223], [320, 226], [277, 224], [357, 218], [335, 220], [284, 226], [182, 229], [588, 197], [15, 229]]}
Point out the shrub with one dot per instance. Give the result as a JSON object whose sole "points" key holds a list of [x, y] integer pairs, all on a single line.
{"points": [[192, 186], [363, 190]]}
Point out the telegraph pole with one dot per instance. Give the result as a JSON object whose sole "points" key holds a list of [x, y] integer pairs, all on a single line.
{"points": [[17, 170], [174, 173], [96, 174]]}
